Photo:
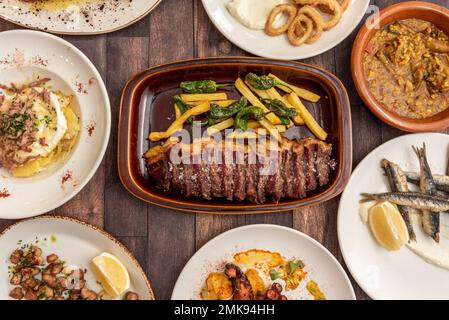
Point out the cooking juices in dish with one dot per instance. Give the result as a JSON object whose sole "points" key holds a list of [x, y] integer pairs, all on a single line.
{"points": [[38, 127], [406, 67], [259, 275], [241, 150]]}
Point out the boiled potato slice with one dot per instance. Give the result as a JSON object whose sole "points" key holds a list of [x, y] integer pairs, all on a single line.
{"points": [[218, 287], [257, 283], [257, 259], [73, 124], [27, 170]]}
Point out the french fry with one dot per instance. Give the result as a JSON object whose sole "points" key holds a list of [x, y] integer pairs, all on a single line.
{"points": [[262, 94], [243, 135], [177, 112], [187, 98], [245, 91], [281, 128], [252, 124], [308, 118], [221, 103], [178, 123], [303, 93], [298, 120], [271, 129], [220, 126]]}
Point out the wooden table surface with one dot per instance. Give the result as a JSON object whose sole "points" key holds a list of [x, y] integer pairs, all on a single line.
{"points": [[163, 240]]}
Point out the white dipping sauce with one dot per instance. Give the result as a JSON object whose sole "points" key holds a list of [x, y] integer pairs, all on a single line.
{"points": [[424, 247], [252, 13]]}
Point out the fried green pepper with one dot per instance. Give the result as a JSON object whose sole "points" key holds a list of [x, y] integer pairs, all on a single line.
{"points": [[241, 120], [218, 113], [262, 82], [279, 108], [202, 86], [183, 107]]}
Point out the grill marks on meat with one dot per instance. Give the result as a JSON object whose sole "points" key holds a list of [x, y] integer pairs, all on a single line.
{"points": [[216, 180], [240, 182], [299, 171], [299, 167]]}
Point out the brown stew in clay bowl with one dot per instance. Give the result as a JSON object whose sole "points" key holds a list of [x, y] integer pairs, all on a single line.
{"points": [[401, 69], [235, 135]]}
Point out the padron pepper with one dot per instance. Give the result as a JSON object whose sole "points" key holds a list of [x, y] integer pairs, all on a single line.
{"points": [[280, 109], [218, 113], [183, 107], [241, 120], [201, 86], [262, 82]]}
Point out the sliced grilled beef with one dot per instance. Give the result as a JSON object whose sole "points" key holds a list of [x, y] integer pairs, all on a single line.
{"points": [[295, 169]]}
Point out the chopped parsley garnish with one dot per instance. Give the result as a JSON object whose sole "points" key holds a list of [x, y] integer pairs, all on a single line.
{"points": [[13, 124], [274, 275], [293, 265]]}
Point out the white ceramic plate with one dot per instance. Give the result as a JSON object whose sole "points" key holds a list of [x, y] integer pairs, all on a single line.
{"points": [[321, 265], [29, 53], [260, 44], [382, 274], [73, 241], [77, 16]]}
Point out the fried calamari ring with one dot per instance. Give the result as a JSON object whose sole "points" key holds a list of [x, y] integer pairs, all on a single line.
{"points": [[317, 20], [297, 35], [344, 4], [289, 9], [333, 5]]}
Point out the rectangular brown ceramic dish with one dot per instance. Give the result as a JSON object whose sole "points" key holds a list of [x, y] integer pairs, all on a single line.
{"points": [[146, 106]]}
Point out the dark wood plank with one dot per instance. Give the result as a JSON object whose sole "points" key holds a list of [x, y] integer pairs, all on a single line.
{"points": [[138, 246], [5, 25], [125, 215], [209, 42], [171, 235]]}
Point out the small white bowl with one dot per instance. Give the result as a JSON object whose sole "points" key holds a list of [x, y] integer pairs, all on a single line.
{"points": [[31, 53]]}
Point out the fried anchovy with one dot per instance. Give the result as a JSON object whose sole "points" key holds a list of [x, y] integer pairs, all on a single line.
{"points": [[430, 220], [411, 199], [441, 181], [398, 183]]}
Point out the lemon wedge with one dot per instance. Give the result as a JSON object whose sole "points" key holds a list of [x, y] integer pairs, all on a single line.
{"points": [[111, 273], [387, 226]]}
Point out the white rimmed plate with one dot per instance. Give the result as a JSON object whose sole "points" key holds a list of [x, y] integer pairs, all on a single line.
{"points": [[382, 274], [77, 16], [321, 265], [260, 44], [31, 53], [75, 242]]}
